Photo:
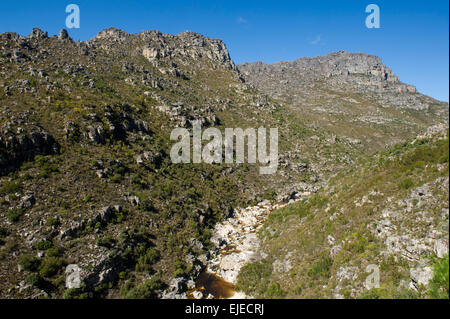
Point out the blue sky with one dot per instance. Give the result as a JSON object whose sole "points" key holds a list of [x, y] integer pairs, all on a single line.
{"points": [[413, 39]]}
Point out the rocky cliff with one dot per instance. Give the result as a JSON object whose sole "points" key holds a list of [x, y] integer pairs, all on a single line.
{"points": [[349, 94]]}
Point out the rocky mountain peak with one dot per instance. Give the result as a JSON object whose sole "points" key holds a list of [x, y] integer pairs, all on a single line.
{"points": [[38, 34], [186, 44], [111, 34], [356, 72], [340, 63], [63, 34]]}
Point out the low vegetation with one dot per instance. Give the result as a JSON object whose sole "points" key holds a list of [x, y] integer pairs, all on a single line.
{"points": [[320, 247]]}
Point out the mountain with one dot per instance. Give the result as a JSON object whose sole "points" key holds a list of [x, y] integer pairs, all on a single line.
{"points": [[388, 214], [85, 172], [350, 94]]}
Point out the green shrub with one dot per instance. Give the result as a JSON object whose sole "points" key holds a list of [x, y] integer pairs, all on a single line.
{"points": [[53, 222], [47, 164], [29, 263], [406, 183], [35, 280], [269, 194], [77, 293], [50, 266], [150, 257], [147, 290], [439, 285], [253, 279], [374, 293], [181, 269], [43, 245], [275, 291], [15, 214], [390, 292], [10, 188], [53, 252], [124, 275], [321, 268]]}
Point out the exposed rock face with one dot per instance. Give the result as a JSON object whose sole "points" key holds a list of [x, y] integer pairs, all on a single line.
{"points": [[16, 148], [340, 63], [186, 44], [63, 34], [346, 92], [340, 70], [111, 34], [421, 276], [38, 34], [159, 46]]}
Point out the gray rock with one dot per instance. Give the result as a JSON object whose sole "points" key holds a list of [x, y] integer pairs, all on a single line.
{"points": [[63, 34], [421, 276], [441, 247], [27, 201], [197, 294], [38, 34], [96, 134]]}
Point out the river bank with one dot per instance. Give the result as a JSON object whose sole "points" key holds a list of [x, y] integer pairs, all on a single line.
{"points": [[237, 243]]}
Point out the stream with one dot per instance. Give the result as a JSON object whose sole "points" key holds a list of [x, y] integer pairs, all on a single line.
{"points": [[237, 241]]}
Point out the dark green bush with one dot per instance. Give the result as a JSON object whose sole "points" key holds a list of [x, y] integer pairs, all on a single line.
{"points": [[29, 263], [77, 293], [275, 291], [35, 280], [43, 245], [50, 266], [53, 221], [15, 214], [181, 269], [145, 261], [53, 252], [147, 290], [106, 241], [147, 206], [3, 232], [10, 188]]}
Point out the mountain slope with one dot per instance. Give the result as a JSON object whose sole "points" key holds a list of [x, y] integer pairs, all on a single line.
{"points": [[85, 172], [388, 213], [352, 95]]}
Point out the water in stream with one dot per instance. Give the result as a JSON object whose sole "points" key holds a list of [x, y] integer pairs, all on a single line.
{"points": [[238, 244], [212, 285]]}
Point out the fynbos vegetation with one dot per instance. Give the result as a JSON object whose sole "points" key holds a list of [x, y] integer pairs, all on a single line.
{"points": [[86, 176]]}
